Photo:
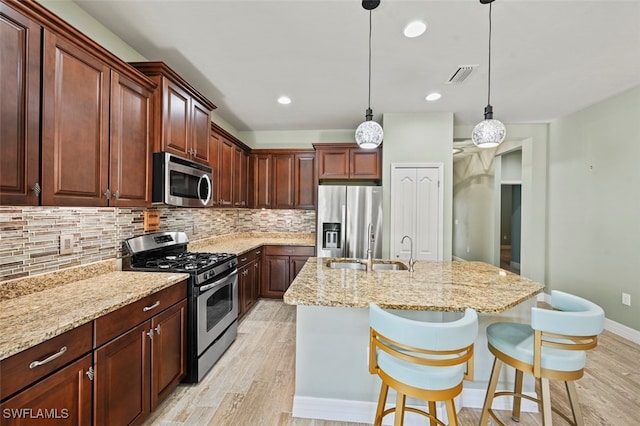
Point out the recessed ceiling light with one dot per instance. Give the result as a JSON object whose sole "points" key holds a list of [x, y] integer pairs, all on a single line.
{"points": [[433, 96], [284, 100], [414, 29]]}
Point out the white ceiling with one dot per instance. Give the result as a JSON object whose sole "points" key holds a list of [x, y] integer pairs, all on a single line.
{"points": [[549, 58]]}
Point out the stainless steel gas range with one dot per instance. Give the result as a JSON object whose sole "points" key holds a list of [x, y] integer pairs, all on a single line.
{"points": [[212, 314]]}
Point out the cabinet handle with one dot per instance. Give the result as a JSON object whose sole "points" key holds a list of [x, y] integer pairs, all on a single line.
{"points": [[116, 195], [256, 265], [36, 189], [90, 374], [148, 308], [245, 272], [157, 329], [258, 252], [107, 193], [150, 334], [243, 259], [58, 354]]}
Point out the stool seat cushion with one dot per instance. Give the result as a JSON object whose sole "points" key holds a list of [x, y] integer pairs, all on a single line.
{"points": [[516, 341], [421, 376]]}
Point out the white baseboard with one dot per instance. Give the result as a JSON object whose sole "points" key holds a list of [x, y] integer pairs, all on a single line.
{"points": [[364, 411], [458, 258]]}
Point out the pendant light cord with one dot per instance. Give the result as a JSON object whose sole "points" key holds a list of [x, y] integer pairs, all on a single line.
{"points": [[369, 102], [489, 75]]}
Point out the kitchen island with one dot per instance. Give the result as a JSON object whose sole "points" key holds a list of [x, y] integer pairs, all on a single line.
{"points": [[332, 327]]}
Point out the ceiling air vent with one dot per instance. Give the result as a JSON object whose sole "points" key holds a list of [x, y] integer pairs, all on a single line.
{"points": [[461, 74]]}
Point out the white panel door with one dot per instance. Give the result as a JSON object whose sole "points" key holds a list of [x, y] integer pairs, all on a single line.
{"points": [[416, 206]]}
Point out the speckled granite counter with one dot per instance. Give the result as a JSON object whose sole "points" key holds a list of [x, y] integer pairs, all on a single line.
{"points": [[437, 286], [30, 317], [239, 243]]}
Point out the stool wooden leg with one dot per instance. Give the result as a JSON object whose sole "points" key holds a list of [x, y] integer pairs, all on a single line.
{"points": [[451, 412], [517, 401], [434, 412], [382, 400], [400, 401], [491, 389], [574, 403], [545, 398]]}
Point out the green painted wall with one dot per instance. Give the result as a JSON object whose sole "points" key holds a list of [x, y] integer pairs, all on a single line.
{"points": [[594, 205]]}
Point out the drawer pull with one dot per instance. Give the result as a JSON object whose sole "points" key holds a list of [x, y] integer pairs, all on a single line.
{"points": [[157, 329], [58, 354], [148, 308], [243, 259], [258, 252]]}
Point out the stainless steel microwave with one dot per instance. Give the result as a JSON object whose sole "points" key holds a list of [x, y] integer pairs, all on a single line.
{"points": [[181, 182]]}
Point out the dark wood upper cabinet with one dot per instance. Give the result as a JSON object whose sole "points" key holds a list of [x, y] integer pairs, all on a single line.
{"points": [[75, 128], [240, 173], [260, 180], [348, 162], [20, 108], [182, 115], [230, 162], [131, 144], [283, 179], [225, 165]]}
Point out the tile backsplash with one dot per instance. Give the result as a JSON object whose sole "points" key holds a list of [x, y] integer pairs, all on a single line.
{"points": [[30, 236]]}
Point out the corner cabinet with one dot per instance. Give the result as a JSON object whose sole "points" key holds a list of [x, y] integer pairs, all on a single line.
{"points": [[20, 108], [182, 115], [338, 161], [283, 179], [281, 266]]}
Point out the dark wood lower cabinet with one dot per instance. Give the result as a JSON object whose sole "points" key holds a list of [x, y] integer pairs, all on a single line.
{"points": [[281, 265], [64, 398], [138, 369], [248, 279]]}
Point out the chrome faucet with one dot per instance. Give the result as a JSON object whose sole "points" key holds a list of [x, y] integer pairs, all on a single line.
{"points": [[370, 239], [411, 259]]}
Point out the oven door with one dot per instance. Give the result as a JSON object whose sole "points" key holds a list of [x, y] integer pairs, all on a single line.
{"points": [[216, 309]]}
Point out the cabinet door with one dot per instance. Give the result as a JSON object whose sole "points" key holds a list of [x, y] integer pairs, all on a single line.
{"points": [[65, 396], [200, 125], [75, 128], [20, 108], [261, 185], [296, 264], [122, 382], [365, 164], [168, 351], [333, 163], [130, 147], [175, 119], [305, 181], [276, 276], [239, 177], [283, 181], [225, 165], [255, 285]]}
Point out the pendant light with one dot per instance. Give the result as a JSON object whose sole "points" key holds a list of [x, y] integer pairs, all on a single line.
{"points": [[489, 132], [369, 133]]}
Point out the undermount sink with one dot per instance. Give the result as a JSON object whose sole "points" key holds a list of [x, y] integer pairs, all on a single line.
{"points": [[377, 265]]}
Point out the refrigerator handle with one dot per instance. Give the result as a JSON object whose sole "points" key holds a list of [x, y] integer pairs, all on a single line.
{"points": [[343, 234]]}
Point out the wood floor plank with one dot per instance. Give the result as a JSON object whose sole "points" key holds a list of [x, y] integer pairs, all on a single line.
{"points": [[253, 383]]}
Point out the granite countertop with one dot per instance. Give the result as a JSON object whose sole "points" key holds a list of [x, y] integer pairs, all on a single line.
{"points": [[439, 286], [240, 243], [32, 317]]}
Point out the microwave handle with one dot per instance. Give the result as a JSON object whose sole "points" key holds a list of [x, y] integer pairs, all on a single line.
{"points": [[209, 188]]}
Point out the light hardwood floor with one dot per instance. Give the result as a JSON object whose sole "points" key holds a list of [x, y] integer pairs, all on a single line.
{"points": [[253, 383]]}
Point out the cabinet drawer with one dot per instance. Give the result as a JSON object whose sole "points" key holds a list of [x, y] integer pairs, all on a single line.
{"points": [[117, 322], [249, 256], [290, 251], [18, 372]]}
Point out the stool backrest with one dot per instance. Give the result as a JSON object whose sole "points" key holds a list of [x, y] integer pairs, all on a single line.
{"points": [[421, 342], [574, 327]]}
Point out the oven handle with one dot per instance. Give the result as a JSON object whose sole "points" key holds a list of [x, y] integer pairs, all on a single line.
{"points": [[206, 287]]}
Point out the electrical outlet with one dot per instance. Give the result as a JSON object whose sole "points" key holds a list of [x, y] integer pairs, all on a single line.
{"points": [[626, 299], [66, 244]]}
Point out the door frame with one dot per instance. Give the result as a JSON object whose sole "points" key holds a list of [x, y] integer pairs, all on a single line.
{"points": [[440, 168]]}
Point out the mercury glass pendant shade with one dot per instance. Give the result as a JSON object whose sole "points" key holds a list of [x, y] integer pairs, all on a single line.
{"points": [[369, 134], [489, 132]]}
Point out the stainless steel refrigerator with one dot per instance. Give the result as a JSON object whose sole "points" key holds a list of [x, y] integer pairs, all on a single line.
{"points": [[344, 216]]}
